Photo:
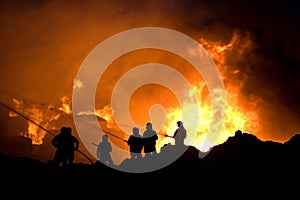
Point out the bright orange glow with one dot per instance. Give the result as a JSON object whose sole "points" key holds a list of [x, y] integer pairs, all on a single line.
{"points": [[240, 114], [236, 118]]}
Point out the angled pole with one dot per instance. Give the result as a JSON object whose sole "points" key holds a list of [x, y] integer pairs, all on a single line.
{"points": [[114, 135]]}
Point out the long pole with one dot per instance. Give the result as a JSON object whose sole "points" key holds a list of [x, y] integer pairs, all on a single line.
{"points": [[20, 114], [164, 135], [27, 118], [114, 135]]}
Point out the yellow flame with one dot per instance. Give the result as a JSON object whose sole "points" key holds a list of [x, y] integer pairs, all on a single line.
{"points": [[66, 105], [42, 115], [107, 114], [34, 132], [237, 117]]}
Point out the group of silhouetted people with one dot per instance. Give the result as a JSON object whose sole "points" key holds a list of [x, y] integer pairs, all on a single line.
{"points": [[137, 142], [65, 144]]}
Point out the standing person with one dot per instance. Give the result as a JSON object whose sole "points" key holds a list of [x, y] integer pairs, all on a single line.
{"points": [[179, 135], [60, 157], [150, 137], [103, 151], [72, 144], [135, 144], [65, 144]]}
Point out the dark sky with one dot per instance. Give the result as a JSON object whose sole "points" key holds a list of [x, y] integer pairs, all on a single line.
{"points": [[43, 44]]}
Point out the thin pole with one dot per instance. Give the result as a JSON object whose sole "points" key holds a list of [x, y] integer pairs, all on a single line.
{"points": [[164, 135], [9, 108], [114, 135]]}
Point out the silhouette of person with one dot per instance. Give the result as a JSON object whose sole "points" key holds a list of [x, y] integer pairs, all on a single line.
{"points": [[238, 133], [72, 144], [150, 137], [135, 144], [179, 135], [65, 144], [103, 151]]}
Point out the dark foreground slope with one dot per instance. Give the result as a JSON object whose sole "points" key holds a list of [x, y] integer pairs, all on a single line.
{"points": [[243, 165]]}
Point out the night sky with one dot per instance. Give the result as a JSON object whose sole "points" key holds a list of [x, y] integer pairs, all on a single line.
{"points": [[43, 44]]}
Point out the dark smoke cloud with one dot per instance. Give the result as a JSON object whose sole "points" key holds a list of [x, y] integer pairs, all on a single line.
{"points": [[273, 68], [43, 44]]}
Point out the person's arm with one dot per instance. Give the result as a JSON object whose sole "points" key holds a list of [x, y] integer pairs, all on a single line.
{"points": [[155, 136], [109, 147], [175, 133], [129, 141], [54, 141], [98, 151], [76, 143]]}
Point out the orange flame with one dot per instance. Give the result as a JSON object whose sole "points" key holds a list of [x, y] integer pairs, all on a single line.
{"points": [[65, 105], [245, 118], [237, 115], [107, 114], [236, 118], [42, 115]]}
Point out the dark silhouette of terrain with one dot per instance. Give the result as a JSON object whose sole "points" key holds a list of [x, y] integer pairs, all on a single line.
{"points": [[243, 165]]}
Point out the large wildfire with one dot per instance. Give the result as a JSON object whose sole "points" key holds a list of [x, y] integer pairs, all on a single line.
{"points": [[241, 113]]}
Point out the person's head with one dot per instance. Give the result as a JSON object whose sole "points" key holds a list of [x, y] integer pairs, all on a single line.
{"points": [[135, 131], [238, 132], [69, 131], [64, 130], [104, 138], [179, 123], [149, 126]]}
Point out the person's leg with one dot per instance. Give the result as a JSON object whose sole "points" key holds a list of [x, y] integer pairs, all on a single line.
{"points": [[71, 158]]}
